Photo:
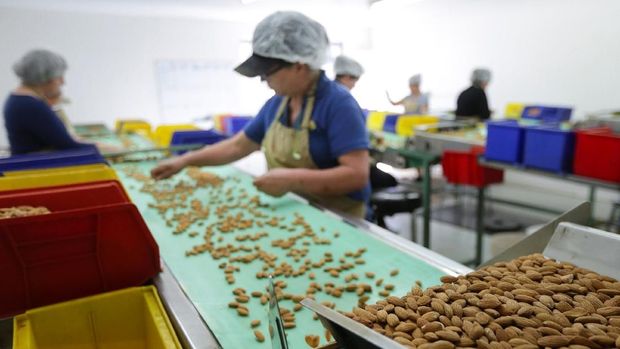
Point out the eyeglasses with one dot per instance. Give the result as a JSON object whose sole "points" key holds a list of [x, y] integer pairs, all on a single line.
{"points": [[274, 70]]}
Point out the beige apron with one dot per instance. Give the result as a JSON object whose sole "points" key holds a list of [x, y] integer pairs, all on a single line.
{"points": [[290, 148]]}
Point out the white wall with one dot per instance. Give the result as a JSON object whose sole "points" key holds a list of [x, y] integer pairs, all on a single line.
{"points": [[111, 57], [563, 52]]}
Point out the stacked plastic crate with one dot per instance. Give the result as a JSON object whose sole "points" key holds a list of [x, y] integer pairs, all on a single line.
{"points": [[91, 240], [540, 144]]}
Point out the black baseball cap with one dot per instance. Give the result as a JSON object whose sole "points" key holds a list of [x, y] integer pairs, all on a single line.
{"points": [[258, 65]]}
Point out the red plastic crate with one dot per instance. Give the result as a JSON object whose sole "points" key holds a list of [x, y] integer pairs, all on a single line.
{"points": [[65, 255], [597, 154], [461, 167], [67, 197]]}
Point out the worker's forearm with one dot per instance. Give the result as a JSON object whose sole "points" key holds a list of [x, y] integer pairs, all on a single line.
{"points": [[334, 181], [220, 153]]}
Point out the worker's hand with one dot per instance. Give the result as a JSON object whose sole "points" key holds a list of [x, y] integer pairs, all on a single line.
{"points": [[167, 168], [276, 182]]}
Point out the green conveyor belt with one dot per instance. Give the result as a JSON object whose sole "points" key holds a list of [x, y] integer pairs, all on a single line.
{"points": [[204, 282], [129, 141]]}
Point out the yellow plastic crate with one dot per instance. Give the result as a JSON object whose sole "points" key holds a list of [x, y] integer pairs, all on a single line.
{"points": [[514, 110], [133, 126], [163, 133], [375, 120], [406, 123], [53, 170], [129, 318], [56, 176], [118, 123]]}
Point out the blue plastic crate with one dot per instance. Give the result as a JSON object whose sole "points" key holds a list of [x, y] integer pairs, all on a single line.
{"points": [[81, 156], [234, 124], [549, 149], [390, 123], [504, 142], [547, 114], [199, 137]]}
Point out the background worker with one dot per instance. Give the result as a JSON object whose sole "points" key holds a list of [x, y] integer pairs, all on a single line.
{"points": [[348, 71], [311, 131], [31, 123], [472, 102], [416, 102]]}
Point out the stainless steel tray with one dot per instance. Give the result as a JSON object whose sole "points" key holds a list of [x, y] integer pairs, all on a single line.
{"points": [[563, 238], [436, 143]]}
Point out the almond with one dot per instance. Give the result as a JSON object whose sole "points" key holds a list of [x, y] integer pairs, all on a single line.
{"points": [[403, 341], [392, 320], [312, 340], [406, 327], [432, 327], [259, 336], [441, 344], [491, 303], [448, 335], [553, 341], [402, 335], [603, 340], [448, 279], [608, 311], [396, 301]]}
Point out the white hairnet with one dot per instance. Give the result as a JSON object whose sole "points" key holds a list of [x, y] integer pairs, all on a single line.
{"points": [[480, 75], [415, 80], [39, 66], [347, 66], [293, 37]]}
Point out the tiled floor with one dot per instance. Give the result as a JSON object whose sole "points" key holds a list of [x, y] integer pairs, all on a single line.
{"points": [[453, 221]]}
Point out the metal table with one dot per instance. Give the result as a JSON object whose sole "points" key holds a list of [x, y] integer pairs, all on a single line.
{"points": [[590, 182]]}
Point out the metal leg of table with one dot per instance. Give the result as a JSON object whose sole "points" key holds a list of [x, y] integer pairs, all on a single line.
{"points": [[414, 229], [426, 202], [479, 226], [591, 198]]}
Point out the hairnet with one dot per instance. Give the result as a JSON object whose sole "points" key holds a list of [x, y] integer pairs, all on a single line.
{"points": [[415, 80], [347, 66], [39, 66], [292, 37], [480, 75]]}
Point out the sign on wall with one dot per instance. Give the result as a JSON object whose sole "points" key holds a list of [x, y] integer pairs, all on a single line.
{"points": [[191, 89]]}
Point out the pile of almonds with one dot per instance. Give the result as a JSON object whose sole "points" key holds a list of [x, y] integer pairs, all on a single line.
{"points": [[22, 211], [529, 302]]}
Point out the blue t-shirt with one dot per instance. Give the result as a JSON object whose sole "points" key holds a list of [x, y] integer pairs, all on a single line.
{"points": [[339, 128], [33, 126]]}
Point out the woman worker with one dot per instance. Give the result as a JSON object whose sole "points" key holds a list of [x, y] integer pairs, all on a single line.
{"points": [[472, 102], [416, 102], [348, 71], [31, 124], [311, 131]]}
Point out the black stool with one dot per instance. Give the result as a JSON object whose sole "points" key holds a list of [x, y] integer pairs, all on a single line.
{"points": [[388, 198]]}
